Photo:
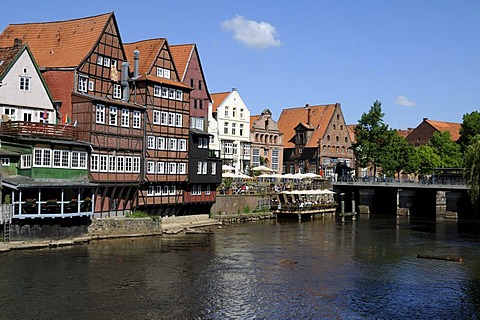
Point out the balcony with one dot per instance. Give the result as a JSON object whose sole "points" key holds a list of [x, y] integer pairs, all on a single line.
{"points": [[43, 130]]}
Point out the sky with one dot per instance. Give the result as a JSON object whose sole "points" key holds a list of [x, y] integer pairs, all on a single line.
{"points": [[420, 59]]}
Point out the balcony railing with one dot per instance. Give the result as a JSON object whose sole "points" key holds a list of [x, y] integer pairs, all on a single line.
{"points": [[44, 130]]}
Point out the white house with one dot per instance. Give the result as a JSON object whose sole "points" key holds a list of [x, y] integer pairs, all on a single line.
{"points": [[232, 119], [23, 93]]}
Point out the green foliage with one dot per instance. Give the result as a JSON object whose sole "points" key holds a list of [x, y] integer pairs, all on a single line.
{"points": [[425, 160], [472, 163], [469, 129], [137, 214], [448, 150], [396, 154], [7, 200], [246, 209], [371, 136]]}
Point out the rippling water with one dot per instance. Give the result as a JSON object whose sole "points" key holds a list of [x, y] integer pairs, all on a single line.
{"points": [[320, 269]]}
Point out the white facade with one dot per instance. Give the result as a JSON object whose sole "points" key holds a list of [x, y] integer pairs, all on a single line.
{"points": [[23, 96], [233, 127]]}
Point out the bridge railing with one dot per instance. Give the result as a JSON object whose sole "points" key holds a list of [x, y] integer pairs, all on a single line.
{"points": [[422, 181]]}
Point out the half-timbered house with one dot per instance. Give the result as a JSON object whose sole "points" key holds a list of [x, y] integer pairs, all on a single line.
{"points": [[85, 67], [204, 172], [159, 89]]}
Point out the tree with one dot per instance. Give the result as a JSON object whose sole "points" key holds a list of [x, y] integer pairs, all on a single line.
{"points": [[396, 155], [472, 164], [426, 160], [469, 129], [371, 135], [448, 150]]}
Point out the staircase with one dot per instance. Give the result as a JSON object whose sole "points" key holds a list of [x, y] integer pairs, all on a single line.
{"points": [[6, 220], [6, 231]]}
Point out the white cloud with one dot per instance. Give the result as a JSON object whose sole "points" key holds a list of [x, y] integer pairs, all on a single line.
{"points": [[404, 101], [253, 34]]}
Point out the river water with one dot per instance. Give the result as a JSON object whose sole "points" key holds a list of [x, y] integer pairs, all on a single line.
{"points": [[320, 269]]}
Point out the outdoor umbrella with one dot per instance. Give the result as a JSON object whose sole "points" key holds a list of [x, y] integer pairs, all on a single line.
{"points": [[262, 169], [227, 167]]}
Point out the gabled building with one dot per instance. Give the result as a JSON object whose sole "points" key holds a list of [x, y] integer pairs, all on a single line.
{"points": [[204, 172], [232, 121], [423, 132], [159, 88], [44, 164], [266, 141], [85, 67], [316, 138]]}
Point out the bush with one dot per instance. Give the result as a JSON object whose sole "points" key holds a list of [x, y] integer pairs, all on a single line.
{"points": [[246, 209], [138, 214]]}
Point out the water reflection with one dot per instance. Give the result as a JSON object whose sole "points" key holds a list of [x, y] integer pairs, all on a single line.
{"points": [[273, 269]]}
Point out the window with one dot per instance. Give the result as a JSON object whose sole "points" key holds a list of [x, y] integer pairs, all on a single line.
{"points": [[158, 191], [100, 60], [166, 73], [275, 159], [179, 95], [234, 112], [226, 111], [225, 128], [165, 190], [182, 168], [172, 167], [24, 83], [228, 147], [136, 164], [94, 162], [207, 190], [171, 119], [163, 118], [234, 128], [235, 148], [204, 167], [120, 164], [182, 144], [151, 142], [60, 158], [171, 94], [125, 117], [172, 144], [150, 191], [241, 113], [117, 91], [160, 143], [192, 83], [103, 163], [113, 116], [157, 91], [194, 190], [79, 160], [159, 72], [150, 167], [100, 114], [156, 117], [246, 150], [178, 120], [42, 157], [26, 161], [82, 84], [240, 133], [214, 168], [5, 161], [200, 104], [128, 164], [91, 85], [161, 167], [27, 116], [164, 92], [112, 163], [106, 62], [136, 119], [199, 84], [255, 157], [199, 167]]}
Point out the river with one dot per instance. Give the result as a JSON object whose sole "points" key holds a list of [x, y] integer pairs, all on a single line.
{"points": [[320, 269]]}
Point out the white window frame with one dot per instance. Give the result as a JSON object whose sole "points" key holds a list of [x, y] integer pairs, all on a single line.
{"points": [[42, 157], [82, 84], [161, 167], [161, 143], [178, 120], [26, 161], [113, 116], [112, 163], [91, 85], [166, 73], [100, 114], [136, 164], [136, 119], [120, 164], [117, 91], [164, 92], [125, 117], [179, 95], [94, 162], [164, 118], [157, 91], [171, 94], [214, 168], [156, 117], [207, 190], [182, 168], [159, 72], [103, 163], [182, 144], [151, 142]]}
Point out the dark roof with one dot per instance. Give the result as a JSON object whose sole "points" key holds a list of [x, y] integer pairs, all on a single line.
{"points": [[9, 153], [20, 182]]}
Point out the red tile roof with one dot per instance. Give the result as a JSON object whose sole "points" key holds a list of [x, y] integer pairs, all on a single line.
{"points": [[7, 56], [149, 50], [181, 54], [320, 116], [253, 119], [452, 127], [60, 43], [218, 98]]}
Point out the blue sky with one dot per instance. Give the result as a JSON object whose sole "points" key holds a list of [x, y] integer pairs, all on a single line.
{"points": [[419, 58]]}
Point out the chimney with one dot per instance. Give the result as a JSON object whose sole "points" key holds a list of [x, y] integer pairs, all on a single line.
{"points": [[17, 43], [425, 119], [136, 57], [309, 112], [234, 89], [126, 89]]}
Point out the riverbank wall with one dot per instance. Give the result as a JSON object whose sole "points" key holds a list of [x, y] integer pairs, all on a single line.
{"points": [[239, 204]]}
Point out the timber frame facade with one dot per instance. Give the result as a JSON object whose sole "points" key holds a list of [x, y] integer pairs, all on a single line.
{"points": [[134, 119]]}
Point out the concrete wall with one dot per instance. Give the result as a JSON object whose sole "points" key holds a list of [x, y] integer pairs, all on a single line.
{"points": [[124, 227]]}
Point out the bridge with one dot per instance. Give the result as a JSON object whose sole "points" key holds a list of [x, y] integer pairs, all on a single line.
{"points": [[420, 198]]}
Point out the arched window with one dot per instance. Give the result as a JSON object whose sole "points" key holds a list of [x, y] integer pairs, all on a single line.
{"points": [[346, 139], [337, 138], [334, 127], [341, 127], [328, 138]]}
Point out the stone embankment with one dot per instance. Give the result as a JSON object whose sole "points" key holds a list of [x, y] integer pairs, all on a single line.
{"points": [[107, 228]]}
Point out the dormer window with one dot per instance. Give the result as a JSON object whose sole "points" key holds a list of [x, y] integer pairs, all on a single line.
{"points": [[160, 72], [82, 84]]}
